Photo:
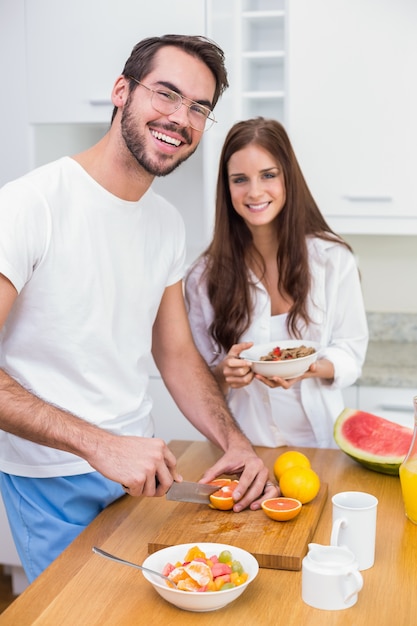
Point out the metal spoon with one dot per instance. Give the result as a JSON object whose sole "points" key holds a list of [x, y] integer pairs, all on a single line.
{"points": [[117, 559]]}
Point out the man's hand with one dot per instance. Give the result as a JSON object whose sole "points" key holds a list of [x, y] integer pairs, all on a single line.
{"points": [[254, 483], [143, 466]]}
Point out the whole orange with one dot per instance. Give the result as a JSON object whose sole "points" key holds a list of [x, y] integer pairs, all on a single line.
{"points": [[288, 459], [301, 483]]}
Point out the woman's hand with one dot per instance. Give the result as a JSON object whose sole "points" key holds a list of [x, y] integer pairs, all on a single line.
{"points": [[322, 368], [233, 371]]}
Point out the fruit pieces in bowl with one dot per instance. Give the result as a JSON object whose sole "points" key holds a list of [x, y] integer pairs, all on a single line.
{"points": [[200, 601], [284, 368], [201, 572]]}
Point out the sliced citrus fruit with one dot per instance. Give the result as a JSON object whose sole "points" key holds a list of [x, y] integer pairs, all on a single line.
{"points": [[223, 498], [222, 482], [188, 584], [288, 459], [281, 509], [301, 483], [199, 571]]}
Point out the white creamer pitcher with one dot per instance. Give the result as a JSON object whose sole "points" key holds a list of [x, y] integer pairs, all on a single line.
{"points": [[330, 577]]}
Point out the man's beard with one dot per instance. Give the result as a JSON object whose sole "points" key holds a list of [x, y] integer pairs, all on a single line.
{"points": [[136, 146]]}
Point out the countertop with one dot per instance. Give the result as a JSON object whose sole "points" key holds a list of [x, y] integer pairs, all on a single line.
{"points": [[80, 588]]}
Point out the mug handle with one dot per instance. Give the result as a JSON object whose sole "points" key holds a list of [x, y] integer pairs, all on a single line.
{"points": [[357, 582], [337, 525]]}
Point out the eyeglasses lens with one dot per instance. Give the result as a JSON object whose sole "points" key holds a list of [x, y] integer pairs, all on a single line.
{"points": [[167, 102]]}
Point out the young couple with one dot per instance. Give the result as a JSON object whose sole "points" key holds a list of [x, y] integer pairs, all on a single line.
{"points": [[91, 269]]}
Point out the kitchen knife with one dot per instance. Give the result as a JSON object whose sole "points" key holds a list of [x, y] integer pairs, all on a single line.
{"points": [[191, 492]]}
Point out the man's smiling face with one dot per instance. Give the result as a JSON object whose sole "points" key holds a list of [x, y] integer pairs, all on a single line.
{"points": [[159, 143]]}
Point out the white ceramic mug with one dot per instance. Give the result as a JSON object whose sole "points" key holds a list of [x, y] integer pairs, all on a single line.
{"points": [[330, 578], [354, 525]]}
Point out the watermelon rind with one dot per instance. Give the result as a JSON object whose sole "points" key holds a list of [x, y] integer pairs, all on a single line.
{"points": [[373, 441]]}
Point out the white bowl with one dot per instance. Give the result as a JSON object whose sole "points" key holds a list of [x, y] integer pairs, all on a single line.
{"points": [[198, 601], [290, 368]]}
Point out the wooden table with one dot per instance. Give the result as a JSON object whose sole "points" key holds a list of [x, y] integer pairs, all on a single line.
{"points": [[81, 589]]}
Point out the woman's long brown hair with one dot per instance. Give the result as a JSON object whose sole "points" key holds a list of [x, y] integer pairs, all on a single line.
{"points": [[232, 248]]}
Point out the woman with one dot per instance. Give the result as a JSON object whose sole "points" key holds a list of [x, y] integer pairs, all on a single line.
{"points": [[275, 270]]}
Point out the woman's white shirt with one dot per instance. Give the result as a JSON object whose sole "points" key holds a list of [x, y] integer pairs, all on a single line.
{"points": [[336, 308]]}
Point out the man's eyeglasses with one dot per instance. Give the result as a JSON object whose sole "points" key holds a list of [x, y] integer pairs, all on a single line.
{"points": [[166, 101]]}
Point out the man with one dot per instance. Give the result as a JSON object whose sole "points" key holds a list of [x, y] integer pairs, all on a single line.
{"points": [[91, 262]]}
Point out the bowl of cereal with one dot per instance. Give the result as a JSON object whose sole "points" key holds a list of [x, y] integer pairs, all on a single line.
{"points": [[287, 359], [208, 576]]}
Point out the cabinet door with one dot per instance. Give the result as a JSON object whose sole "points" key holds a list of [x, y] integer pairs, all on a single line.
{"points": [[393, 404], [170, 423], [352, 110], [350, 396], [77, 49], [252, 34]]}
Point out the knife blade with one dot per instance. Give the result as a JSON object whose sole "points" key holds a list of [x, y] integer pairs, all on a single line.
{"points": [[191, 492]]}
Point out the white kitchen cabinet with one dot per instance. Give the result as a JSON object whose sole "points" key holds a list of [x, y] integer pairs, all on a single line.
{"points": [[8, 554], [350, 397], [395, 404], [170, 423], [352, 113], [76, 50], [14, 131], [252, 34]]}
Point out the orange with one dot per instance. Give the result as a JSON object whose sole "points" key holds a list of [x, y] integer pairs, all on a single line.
{"points": [[194, 553], [288, 459], [200, 572], [301, 483], [222, 498], [281, 509], [188, 584]]}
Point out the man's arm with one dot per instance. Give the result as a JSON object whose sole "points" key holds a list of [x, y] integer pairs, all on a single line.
{"points": [[200, 399], [132, 461]]}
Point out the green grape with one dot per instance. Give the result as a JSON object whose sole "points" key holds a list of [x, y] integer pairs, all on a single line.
{"points": [[225, 556], [237, 567]]}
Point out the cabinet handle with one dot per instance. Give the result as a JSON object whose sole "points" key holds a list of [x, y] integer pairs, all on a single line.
{"points": [[99, 102], [366, 198], [395, 407]]}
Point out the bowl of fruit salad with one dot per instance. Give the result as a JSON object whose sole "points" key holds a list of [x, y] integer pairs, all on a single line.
{"points": [[208, 576], [287, 358]]}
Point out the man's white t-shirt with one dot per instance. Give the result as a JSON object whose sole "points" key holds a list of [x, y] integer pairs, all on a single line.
{"points": [[90, 270]]}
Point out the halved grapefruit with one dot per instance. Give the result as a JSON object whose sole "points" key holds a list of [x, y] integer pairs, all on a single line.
{"points": [[222, 499], [281, 509]]}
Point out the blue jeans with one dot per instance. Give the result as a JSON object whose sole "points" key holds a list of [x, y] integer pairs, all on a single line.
{"points": [[46, 514]]}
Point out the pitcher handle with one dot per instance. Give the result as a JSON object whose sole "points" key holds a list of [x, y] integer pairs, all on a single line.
{"points": [[357, 582]]}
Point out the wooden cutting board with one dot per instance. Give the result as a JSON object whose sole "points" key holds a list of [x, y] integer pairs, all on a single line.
{"points": [[275, 545]]}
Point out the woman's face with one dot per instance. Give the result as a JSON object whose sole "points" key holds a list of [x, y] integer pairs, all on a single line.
{"points": [[256, 184]]}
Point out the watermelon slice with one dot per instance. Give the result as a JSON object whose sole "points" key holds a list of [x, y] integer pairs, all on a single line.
{"points": [[375, 442]]}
